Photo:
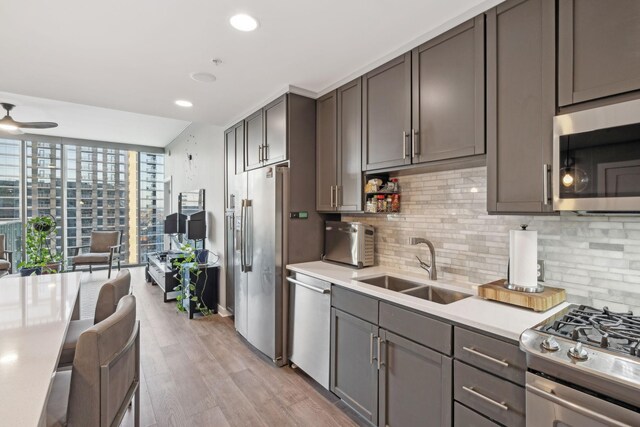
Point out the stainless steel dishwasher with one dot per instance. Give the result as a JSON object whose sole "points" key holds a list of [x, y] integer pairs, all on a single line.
{"points": [[310, 325]]}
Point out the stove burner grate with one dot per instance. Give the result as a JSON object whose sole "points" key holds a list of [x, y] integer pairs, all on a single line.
{"points": [[601, 327]]}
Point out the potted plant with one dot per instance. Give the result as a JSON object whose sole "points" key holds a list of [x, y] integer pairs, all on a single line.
{"points": [[188, 272], [39, 256]]}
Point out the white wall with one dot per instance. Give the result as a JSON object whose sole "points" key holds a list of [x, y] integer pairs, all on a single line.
{"points": [[206, 170]]}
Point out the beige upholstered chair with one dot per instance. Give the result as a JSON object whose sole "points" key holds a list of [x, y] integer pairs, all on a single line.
{"points": [[105, 375], [104, 248], [108, 298], [6, 257]]}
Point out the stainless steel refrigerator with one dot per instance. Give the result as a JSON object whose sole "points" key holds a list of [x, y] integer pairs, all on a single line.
{"points": [[262, 225]]}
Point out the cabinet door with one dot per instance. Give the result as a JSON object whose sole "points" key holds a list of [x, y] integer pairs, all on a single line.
{"points": [[598, 49], [275, 131], [354, 372], [520, 105], [386, 121], [448, 94], [349, 192], [230, 171], [326, 152], [253, 141], [414, 385]]}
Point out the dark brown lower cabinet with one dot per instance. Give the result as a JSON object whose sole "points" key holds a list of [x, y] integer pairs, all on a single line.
{"points": [[414, 384], [354, 372]]}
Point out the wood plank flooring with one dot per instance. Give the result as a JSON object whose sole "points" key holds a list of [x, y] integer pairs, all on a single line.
{"points": [[200, 372]]}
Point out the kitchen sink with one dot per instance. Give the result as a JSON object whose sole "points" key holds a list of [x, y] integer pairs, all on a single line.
{"points": [[391, 283], [438, 295]]}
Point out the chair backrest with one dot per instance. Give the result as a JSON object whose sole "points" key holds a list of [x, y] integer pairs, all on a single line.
{"points": [[110, 294], [105, 368], [2, 246], [101, 241]]}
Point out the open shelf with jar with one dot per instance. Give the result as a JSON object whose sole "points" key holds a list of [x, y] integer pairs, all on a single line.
{"points": [[382, 194]]}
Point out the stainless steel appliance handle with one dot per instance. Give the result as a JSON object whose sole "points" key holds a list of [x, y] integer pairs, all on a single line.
{"points": [[545, 183], [574, 407], [415, 148], [500, 405], [371, 348], [404, 144], [310, 287], [249, 233], [242, 242], [485, 356]]}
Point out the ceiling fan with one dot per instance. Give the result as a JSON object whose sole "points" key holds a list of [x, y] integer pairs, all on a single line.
{"points": [[8, 124]]}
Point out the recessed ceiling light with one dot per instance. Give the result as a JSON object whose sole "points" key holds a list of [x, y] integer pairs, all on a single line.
{"points": [[203, 77], [184, 103], [243, 22]]}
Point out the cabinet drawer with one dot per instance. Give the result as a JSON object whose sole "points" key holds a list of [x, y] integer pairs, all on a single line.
{"points": [[494, 397], [465, 417], [498, 357], [421, 329], [356, 304]]}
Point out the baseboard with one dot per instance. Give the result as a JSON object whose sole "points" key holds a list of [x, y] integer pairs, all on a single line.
{"points": [[223, 311]]}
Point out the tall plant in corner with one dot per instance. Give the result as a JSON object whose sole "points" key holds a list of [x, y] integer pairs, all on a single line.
{"points": [[187, 275], [40, 229]]}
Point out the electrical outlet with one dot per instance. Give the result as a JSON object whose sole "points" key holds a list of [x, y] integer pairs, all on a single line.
{"points": [[540, 270]]}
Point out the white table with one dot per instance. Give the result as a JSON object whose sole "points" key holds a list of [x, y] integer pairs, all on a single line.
{"points": [[34, 315]]}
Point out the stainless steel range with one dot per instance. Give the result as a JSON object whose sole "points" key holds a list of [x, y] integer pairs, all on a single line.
{"points": [[583, 369]]}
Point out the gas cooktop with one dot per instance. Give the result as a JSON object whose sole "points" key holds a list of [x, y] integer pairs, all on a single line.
{"points": [[602, 328]]}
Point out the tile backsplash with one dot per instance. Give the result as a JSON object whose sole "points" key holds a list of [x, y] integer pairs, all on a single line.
{"points": [[596, 259]]}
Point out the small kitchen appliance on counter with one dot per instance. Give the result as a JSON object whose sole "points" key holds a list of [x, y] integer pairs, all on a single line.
{"points": [[583, 369], [349, 243]]}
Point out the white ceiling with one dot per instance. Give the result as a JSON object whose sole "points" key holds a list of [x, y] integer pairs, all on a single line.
{"points": [[94, 123], [136, 56]]}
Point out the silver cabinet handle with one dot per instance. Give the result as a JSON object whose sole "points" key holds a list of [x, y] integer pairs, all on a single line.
{"points": [[575, 407], [500, 405], [332, 204], [338, 195], [379, 352], [265, 152], [415, 147], [371, 348], [545, 183], [310, 287], [404, 145], [260, 154], [486, 357]]}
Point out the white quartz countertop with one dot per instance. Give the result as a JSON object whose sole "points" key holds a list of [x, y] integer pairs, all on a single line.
{"points": [[497, 318], [34, 315]]}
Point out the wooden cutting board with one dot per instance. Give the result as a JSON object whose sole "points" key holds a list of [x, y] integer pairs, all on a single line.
{"points": [[542, 301]]}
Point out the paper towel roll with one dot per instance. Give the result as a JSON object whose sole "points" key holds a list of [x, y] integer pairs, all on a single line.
{"points": [[523, 257]]}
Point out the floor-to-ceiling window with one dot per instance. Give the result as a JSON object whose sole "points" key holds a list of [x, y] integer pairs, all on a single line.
{"points": [[85, 188], [10, 212]]}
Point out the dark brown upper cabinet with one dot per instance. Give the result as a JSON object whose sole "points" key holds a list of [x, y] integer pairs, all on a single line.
{"points": [[598, 49], [275, 131], [266, 135], [520, 105], [326, 151], [448, 95], [339, 149], [253, 129], [429, 104], [386, 118]]}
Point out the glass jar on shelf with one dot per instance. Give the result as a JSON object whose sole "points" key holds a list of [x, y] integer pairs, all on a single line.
{"points": [[389, 203], [395, 203], [371, 206], [380, 203]]}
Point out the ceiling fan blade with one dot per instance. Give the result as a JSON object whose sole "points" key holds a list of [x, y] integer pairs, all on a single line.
{"points": [[36, 125]]}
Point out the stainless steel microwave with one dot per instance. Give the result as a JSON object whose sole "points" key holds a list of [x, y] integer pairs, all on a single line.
{"points": [[596, 160], [349, 243]]}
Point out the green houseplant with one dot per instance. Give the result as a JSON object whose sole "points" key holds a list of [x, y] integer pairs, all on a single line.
{"points": [[39, 256], [187, 276]]}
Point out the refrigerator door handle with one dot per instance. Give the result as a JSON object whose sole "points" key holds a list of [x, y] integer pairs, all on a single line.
{"points": [[242, 217], [248, 236]]}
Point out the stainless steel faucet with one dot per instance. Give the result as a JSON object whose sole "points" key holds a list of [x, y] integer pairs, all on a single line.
{"points": [[431, 269]]}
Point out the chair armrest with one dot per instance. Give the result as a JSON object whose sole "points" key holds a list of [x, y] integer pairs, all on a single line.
{"points": [[116, 248], [77, 248]]}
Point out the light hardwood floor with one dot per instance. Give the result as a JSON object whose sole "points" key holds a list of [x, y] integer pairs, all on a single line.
{"points": [[200, 372]]}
